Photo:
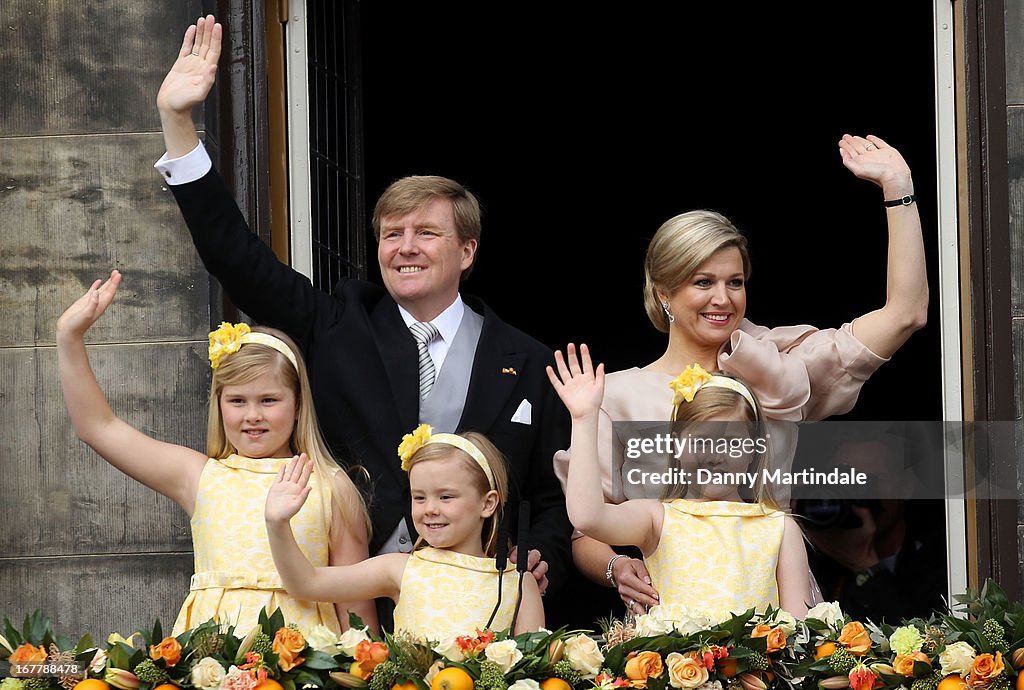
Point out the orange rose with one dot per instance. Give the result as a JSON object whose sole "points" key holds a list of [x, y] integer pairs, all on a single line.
{"points": [[369, 654], [27, 654], [169, 650], [685, 672], [985, 668], [904, 663], [644, 665], [776, 638], [855, 638], [288, 644]]}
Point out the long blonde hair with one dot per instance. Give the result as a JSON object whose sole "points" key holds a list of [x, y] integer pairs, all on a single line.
{"points": [[495, 460], [252, 361]]}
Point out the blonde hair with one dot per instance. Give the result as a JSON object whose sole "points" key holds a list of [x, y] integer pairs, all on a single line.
{"points": [[495, 460], [712, 402], [678, 249], [252, 361]]}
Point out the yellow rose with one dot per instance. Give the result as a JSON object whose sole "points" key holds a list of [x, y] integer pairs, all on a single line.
{"points": [[855, 638], [27, 654], [225, 341], [169, 650], [686, 385], [904, 663], [685, 672], [644, 665], [412, 442], [985, 668], [288, 644]]}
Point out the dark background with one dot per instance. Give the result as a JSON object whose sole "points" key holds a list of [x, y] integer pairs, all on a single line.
{"points": [[581, 131]]}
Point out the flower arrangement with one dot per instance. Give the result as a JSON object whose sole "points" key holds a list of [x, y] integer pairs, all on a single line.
{"points": [[978, 647]]}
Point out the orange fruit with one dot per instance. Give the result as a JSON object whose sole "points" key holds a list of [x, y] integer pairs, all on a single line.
{"points": [[407, 685], [824, 650], [92, 684], [554, 684], [452, 678], [954, 682], [727, 667], [172, 686], [268, 684], [1020, 681]]}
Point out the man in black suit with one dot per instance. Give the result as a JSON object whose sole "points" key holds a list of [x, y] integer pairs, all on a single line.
{"points": [[365, 364]]}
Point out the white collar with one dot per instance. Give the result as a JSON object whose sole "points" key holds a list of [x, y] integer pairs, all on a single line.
{"points": [[447, 322]]}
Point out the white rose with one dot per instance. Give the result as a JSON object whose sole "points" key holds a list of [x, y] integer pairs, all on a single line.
{"points": [[434, 669], [350, 639], [711, 685], [828, 612], [525, 684], [583, 655], [449, 649], [322, 639], [505, 654], [956, 658], [207, 674], [786, 621], [649, 624]]}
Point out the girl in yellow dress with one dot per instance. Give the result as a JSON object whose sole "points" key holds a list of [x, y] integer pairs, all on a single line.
{"points": [[710, 554], [261, 414], [449, 585]]}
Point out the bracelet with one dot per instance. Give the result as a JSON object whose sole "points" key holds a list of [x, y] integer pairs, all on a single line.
{"points": [[905, 200], [608, 572]]}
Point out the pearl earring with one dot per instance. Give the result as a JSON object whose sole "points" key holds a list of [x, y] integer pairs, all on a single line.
{"points": [[671, 319]]}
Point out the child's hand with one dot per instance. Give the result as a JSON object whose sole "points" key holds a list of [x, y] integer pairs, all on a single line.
{"points": [[579, 385], [289, 490], [88, 308]]}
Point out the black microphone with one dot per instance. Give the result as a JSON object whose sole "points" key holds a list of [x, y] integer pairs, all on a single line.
{"points": [[500, 562], [522, 555]]}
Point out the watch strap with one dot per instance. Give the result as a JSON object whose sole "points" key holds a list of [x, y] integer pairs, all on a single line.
{"points": [[905, 200]]}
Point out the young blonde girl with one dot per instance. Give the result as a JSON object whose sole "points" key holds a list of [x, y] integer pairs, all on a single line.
{"points": [[260, 415], [449, 584], [709, 553]]}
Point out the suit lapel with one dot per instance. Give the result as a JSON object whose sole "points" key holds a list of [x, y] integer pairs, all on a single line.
{"points": [[496, 367], [401, 362]]}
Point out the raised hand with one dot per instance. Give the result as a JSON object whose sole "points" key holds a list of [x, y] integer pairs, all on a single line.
{"points": [[578, 384], [193, 73], [88, 308], [870, 158], [289, 490]]}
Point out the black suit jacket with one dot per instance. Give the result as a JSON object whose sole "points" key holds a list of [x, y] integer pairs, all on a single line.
{"points": [[363, 369]]}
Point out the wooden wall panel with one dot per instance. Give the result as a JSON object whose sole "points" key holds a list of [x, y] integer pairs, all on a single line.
{"points": [[1014, 10], [1015, 155], [97, 594], [61, 498], [74, 208], [90, 67]]}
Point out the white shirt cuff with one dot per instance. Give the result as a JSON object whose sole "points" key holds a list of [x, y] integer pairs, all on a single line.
{"points": [[188, 168]]}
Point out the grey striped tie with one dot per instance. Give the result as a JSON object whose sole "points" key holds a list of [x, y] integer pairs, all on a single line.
{"points": [[424, 333]]}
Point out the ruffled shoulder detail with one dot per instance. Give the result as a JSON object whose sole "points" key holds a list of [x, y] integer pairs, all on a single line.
{"points": [[259, 465], [722, 508]]}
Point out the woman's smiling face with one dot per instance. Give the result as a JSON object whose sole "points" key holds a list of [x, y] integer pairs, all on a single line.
{"points": [[709, 306]]}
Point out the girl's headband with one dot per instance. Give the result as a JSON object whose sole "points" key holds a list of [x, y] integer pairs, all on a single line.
{"points": [[227, 340], [424, 435], [695, 377]]}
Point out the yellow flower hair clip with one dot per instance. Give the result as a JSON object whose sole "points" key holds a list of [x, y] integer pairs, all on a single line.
{"points": [[686, 385], [228, 339], [412, 442]]}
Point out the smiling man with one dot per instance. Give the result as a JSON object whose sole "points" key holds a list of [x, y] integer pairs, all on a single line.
{"points": [[383, 360]]}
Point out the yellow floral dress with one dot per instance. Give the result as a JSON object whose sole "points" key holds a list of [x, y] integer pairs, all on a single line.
{"points": [[446, 593], [235, 575], [716, 558]]}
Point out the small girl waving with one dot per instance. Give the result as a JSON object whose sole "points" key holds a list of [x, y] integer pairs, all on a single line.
{"points": [[709, 553], [261, 414], [449, 585]]}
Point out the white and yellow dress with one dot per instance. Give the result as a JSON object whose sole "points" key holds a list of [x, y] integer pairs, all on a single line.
{"points": [[235, 576], [446, 593], [716, 558]]}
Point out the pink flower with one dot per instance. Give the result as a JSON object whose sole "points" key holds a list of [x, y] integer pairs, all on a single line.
{"points": [[237, 679], [862, 678]]}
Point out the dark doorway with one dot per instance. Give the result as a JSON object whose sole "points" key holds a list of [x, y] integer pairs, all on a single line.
{"points": [[582, 131]]}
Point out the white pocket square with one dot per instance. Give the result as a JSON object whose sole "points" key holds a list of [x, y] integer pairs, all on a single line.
{"points": [[524, 413]]}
